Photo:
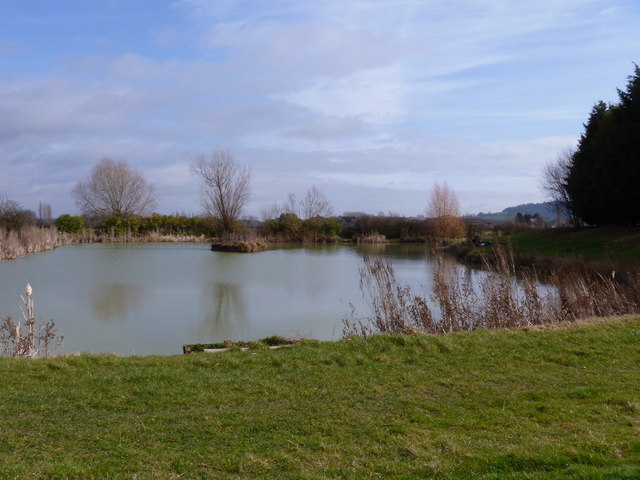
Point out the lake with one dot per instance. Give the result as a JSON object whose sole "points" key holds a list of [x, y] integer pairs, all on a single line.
{"points": [[146, 298]]}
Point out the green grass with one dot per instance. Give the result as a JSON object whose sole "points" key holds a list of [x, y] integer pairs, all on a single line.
{"points": [[600, 244], [501, 404]]}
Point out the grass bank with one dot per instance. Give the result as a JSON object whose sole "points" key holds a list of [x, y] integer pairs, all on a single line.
{"points": [[561, 402], [594, 244]]}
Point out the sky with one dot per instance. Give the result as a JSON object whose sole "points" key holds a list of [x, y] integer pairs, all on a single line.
{"points": [[371, 101]]}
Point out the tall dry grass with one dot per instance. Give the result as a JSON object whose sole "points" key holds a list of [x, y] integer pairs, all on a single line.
{"points": [[503, 299], [371, 237], [129, 237], [27, 339], [31, 239]]}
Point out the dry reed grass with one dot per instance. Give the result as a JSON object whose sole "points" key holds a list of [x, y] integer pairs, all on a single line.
{"points": [[502, 300], [31, 239], [27, 340], [149, 237], [373, 237]]}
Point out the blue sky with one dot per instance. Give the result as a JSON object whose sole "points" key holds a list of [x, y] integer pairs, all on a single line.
{"points": [[372, 101]]}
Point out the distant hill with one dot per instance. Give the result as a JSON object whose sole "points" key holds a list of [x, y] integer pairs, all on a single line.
{"points": [[546, 210]]}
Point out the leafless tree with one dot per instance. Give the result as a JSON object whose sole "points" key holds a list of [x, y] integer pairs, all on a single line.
{"points": [[291, 206], [443, 208], [554, 183], [271, 212], [315, 204], [225, 187], [44, 213], [113, 189]]}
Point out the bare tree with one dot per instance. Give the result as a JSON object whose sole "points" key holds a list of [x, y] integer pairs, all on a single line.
{"points": [[225, 187], [444, 209], [271, 212], [113, 189], [44, 214], [554, 183], [291, 206], [315, 204]]}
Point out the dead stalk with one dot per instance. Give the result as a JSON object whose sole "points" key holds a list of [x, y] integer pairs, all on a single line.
{"points": [[31, 341], [502, 300]]}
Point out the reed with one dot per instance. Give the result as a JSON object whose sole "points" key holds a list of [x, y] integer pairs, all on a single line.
{"points": [[154, 237], [15, 243], [507, 297], [27, 339], [372, 237]]}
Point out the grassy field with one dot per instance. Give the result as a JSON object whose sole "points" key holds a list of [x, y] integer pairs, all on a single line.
{"points": [[560, 402], [600, 244]]}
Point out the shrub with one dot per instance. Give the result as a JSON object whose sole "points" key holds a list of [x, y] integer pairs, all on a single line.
{"points": [[70, 223]]}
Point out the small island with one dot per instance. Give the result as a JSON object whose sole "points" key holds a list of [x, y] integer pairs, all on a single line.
{"points": [[241, 246]]}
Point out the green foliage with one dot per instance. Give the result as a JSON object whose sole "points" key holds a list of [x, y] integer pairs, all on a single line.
{"points": [[502, 404], [70, 223], [321, 227], [179, 225], [604, 175], [121, 225], [160, 224], [289, 226]]}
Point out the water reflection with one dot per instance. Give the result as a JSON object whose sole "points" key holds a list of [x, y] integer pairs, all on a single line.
{"points": [[152, 298], [115, 301], [404, 251], [225, 312]]}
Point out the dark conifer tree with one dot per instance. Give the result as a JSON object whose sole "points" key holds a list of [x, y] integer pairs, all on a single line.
{"points": [[604, 177]]}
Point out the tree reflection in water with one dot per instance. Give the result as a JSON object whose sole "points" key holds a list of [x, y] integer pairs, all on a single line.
{"points": [[226, 313], [114, 301]]}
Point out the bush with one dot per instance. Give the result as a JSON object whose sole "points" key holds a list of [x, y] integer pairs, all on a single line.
{"points": [[70, 223]]}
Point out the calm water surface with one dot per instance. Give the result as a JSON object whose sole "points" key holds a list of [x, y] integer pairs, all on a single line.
{"points": [[151, 298]]}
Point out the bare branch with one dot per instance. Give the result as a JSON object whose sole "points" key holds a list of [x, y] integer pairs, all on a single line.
{"points": [[315, 204], [554, 182], [113, 189], [225, 187], [444, 209]]}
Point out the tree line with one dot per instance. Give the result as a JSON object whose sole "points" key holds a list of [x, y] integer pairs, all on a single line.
{"points": [[598, 182], [116, 200]]}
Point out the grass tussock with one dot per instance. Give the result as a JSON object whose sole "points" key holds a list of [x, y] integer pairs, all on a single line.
{"points": [[505, 298], [541, 404]]}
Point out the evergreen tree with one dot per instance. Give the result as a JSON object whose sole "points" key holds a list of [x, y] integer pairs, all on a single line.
{"points": [[604, 177]]}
